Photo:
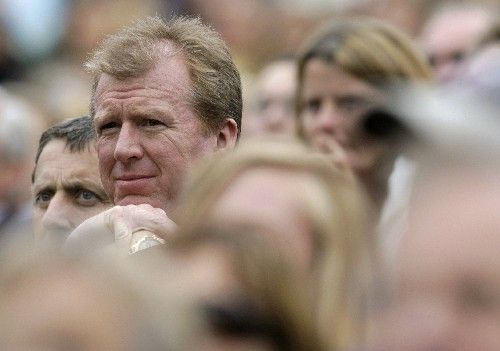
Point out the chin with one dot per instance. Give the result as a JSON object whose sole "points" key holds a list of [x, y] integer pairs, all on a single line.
{"points": [[141, 199], [135, 200]]}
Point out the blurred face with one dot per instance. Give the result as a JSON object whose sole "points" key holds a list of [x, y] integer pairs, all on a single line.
{"points": [[447, 293], [449, 37], [272, 200], [207, 271], [148, 134], [333, 103], [274, 95], [62, 312], [66, 190]]}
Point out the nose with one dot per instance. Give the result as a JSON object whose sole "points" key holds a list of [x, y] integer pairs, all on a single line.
{"points": [[277, 118], [57, 221], [128, 146], [329, 120]]}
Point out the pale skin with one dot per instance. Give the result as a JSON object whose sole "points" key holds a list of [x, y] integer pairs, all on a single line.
{"points": [[451, 35], [273, 201], [446, 281], [64, 310], [118, 228], [149, 136], [274, 96], [333, 105], [66, 191]]}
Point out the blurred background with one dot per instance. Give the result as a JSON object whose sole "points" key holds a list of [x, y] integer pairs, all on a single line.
{"points": [[44, 43]]}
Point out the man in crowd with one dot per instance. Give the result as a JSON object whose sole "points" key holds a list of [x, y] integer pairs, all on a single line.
{"points": [[272, 110], [165, 95], [452, 32], [65, 183]]}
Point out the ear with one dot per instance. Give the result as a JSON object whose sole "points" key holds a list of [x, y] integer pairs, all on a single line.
{"points": [[228, 134]]}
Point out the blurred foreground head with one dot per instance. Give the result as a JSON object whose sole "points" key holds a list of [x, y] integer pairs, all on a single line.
{"points": [[445, 275], [52, 302], [249, 294], [312, 211]]}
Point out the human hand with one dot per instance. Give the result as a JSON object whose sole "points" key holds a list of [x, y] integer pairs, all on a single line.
{"points": [[120, 228], [328, 145]]}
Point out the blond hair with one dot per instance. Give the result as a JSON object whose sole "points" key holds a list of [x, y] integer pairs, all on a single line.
{"points": [[339, 219], [216, 86], [265, 279], [144, 305]]}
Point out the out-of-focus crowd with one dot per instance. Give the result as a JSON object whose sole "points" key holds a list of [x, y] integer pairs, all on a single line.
{"points": [[249, 175]]}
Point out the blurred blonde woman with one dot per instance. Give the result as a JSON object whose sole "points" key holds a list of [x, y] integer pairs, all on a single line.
{"points": [[250, 295], [343, 72], [312, 211]]}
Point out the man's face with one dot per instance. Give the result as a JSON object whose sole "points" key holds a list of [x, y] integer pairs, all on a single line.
{"points": [[66, 191], [333, 105], [274, 106], [448, 38], [148, 134], [447, 285]]}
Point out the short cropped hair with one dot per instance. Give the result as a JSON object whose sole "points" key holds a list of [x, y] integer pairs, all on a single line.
{"points": [[78, 133], [216, 90]]}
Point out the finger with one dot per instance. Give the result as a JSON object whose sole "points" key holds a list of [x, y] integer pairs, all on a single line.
{"points": [[92, 233], [151, 219]]}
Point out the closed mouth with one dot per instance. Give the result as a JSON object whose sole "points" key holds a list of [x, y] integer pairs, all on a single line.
{"points": [[133, 177]]}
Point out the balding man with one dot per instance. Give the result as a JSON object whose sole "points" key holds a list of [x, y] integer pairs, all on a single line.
{"points": [[165, 94]]}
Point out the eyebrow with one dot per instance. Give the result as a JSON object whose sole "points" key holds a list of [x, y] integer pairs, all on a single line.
{"points": [[73, 187]]}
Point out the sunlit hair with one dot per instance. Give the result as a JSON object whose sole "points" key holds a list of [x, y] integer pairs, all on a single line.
{"points": [[144, 305], [268, 303], [338, 216], [216, 86], [369, 50]]}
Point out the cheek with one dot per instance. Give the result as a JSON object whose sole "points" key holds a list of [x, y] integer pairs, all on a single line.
{"points": [[105, 154], [81, 213], [37, 221], [307, 124], [92, 211], [203, 145]]}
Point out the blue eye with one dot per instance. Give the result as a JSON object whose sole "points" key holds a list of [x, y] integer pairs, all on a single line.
{"points": [[87, 198], [42, 199]]}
